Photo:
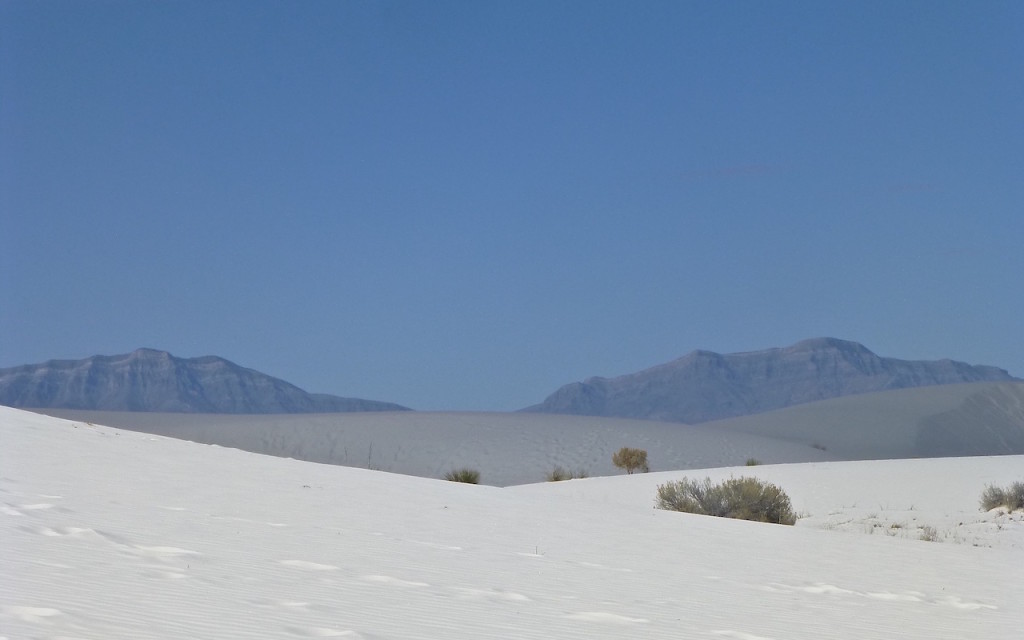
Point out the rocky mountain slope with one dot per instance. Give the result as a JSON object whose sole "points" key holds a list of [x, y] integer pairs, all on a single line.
{"points": [[151, 380], [704, 386]]}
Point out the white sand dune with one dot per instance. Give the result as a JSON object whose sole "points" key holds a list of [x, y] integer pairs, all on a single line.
{"points": [[947, 420], [984, 418], [117, 534], [429, 444]]}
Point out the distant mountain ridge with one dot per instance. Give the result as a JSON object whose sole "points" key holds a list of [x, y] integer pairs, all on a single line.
{"points": [[150, 380], [703, 385]]}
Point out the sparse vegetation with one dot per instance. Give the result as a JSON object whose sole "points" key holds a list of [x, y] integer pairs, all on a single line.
{"points": [[465, 474], [1011, 498], [753, 462], [929, 533], [631, 460], [742, 498], [560, 473]]}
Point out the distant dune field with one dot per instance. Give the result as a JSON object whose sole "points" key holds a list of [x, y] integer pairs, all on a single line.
{"points": [[950, 420], [507, 448], [984, 418]]}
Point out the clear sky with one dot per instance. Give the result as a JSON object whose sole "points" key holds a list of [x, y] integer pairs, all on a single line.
{"points": [[466, 205]]}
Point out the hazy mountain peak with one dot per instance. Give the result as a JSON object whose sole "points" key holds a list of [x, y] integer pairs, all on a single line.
{"points": [[146, 352], [704, 385], [812, 344], [154, 380]]}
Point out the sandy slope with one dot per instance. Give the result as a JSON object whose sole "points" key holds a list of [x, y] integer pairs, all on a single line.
{"points": [[984, 418], [949, 420], [117, 534], [429, 444], [906, 499]]}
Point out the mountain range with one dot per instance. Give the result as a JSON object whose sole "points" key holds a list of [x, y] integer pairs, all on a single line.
{"points": [[704, 386], [152, 380]]}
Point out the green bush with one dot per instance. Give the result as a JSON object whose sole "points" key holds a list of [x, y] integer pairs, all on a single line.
{"points": [[753, 462], [1011, 497], [560, 473], [631, 460], [465, 474], [741, 498]]}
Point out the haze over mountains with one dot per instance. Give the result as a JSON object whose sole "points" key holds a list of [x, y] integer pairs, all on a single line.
{"points": [[704, 386], [151, 380], [945, 409], [699, 387]]}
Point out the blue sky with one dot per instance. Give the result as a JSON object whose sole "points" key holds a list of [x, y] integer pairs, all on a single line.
{"points": [[465, 205]]}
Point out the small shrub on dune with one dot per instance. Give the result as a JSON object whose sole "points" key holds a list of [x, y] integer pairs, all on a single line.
{"points": [[1011, 497], [465, 474], [741, 498], [631, 460], [560, 473], [753, 462], [929, 534]]}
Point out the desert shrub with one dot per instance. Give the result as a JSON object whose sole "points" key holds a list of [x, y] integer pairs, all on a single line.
{"points": [[557, 475], [742, 498], [465, 474], [1011, 497], [753, 462], [631, 460], [560, 473], [929, 534]]}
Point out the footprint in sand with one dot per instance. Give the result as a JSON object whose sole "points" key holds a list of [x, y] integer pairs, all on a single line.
{"points": [[323, 632], [165, 552], [906, 596], [28, 509], [60, 532], [601, 616], [163, 574], [18, 509], [490, 594], [960, 603], [309, 566], [33, 615], [910, 596], [739, 635], [398, 582], [290, 604], [36, 507], [819, 588], [115, 539]]}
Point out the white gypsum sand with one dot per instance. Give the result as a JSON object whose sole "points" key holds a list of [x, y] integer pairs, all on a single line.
{"points": [[508, 448], [946, 420], [117, 534]]}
